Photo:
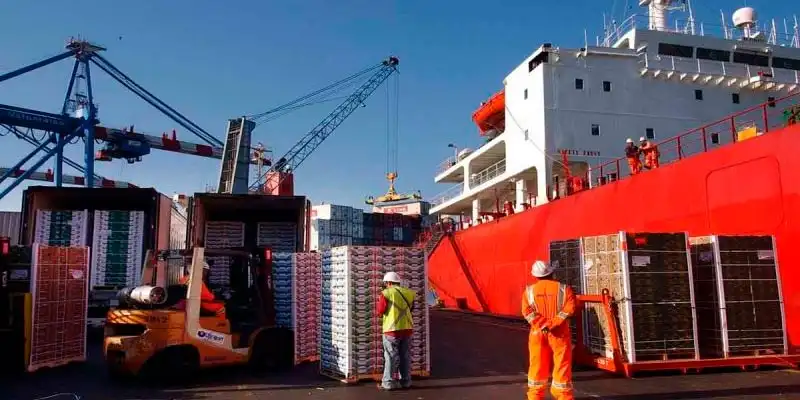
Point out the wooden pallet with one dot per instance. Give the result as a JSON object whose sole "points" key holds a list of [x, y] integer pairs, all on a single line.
{"points": [[377, 377]]}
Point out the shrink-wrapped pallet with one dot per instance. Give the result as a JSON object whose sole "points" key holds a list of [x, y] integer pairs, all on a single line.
{"points": [[650, 279], [351, 331], [565, 256], [738, 295], [279, 236], [117, 246], [222, 235]]}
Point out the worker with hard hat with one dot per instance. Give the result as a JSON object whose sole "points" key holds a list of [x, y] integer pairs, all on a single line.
{"points": [[650, 153], [546, 306], [632, 155], [395, 305], [208, 302]]}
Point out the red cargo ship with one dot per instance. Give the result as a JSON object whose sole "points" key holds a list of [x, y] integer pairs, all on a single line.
{"points": [[739, 175]]}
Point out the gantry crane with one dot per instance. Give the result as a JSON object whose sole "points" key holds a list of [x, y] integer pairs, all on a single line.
{"points": [[78, 119], [392, 137], [234, 170]]}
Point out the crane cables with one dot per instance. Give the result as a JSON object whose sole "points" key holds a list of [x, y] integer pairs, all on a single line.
{"points": [[324, 95], [392, 125]]}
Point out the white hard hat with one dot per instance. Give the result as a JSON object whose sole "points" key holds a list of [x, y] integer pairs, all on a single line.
{"points": [[642, 139], [629, 140], [541, 269], [391, 276]]}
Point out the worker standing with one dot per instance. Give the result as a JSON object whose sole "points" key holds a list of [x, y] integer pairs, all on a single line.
{"points": [[650, 153], [395, 306], [546, 305], [632, 154]]}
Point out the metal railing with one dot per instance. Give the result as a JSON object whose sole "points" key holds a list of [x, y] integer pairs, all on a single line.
{"points": [[488, 173], [718, 68], [761, 119], [452, 192], [448, 163], [693, 27]]}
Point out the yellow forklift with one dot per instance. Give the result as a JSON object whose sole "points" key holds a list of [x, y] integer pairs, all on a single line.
{"points": [[162, 332]]}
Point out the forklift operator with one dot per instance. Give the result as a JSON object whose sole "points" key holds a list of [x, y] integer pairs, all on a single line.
{"points": [[209, 306]]}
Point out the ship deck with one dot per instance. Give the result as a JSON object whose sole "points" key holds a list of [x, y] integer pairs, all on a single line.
{"points": [[473, 357]]}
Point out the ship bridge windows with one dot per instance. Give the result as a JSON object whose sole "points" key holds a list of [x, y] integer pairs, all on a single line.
{"points": [[650, 133], [786, 63], [578, 84], [595, 130], [675, 50], [606, 86], [713, 54], [754, 59], [698, 94]]}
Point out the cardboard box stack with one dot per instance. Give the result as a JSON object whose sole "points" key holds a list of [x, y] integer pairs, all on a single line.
{"points": [[61, 228], [350, 334], [307, 272], [222, 235], [117, 247], [333, 226], [566, 258], [283, 282], [281, 237], [740, 309]]}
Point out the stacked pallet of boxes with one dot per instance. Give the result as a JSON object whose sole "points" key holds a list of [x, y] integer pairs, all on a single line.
{"points": [[61, 228], [278, 236], [222, 235], [738, 293], [566, 258], [350, 334], [296, 279], [117, 245], [649, 276]]}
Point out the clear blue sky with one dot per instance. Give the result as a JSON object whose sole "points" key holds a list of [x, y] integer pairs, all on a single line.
{"points": [[214, 60]]}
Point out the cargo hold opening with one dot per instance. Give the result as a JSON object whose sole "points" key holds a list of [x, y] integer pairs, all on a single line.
{"points": [[251, 210]]}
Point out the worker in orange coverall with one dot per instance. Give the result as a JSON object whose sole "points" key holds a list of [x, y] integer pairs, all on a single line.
{"points": [[546, 305], [208, 303], [632, 154], [650, 153]]}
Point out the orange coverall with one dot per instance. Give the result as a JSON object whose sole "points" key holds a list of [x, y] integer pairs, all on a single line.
{"points": [[208, 303], [632, 154], [651, 154], [547, 304]]}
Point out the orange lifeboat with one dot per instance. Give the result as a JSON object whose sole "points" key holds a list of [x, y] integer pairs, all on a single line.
{"points": [[491, 116]]}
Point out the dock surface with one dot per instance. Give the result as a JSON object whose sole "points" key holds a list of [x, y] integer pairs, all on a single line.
{"points": [[473, 357]]}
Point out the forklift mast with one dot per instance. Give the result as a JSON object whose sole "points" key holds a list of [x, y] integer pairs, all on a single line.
{"points": [[265, 288]]}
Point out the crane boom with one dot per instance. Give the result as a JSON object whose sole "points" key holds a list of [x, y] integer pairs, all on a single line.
{"points": [[302, 149]]}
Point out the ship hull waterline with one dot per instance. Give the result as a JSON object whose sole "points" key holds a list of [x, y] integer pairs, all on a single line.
{"points": [[748, 188]]}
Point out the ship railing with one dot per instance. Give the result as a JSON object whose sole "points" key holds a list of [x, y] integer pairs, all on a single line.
{"points": [[488, 173], [448, 163], [450, 193], [722, 69], [743, 125], [697, 28]]}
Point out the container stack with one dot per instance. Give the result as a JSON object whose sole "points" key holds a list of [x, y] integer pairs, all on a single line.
{"points": [[649, 276], [350, 334], [222, 235], [334, 226], [307, 273], [281, 237], [740, 307], [117, 246], [61, 228]]}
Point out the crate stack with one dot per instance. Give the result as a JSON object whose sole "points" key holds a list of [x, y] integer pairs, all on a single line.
{"points": [[61, 228], [283, 282], [222, 235], [281, 237], [59, 291], [333, 226], [566, 258], [740, 307], [307, 273], [350, 332], [649, 276], [117, 247]]}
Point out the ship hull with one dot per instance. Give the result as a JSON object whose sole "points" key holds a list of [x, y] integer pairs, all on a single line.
{"points": [[751, 187]]}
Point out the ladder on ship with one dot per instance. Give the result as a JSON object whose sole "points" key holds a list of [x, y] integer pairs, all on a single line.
{"points": [[234, 175]]}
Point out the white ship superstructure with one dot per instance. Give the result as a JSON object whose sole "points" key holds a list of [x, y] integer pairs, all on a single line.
{"points": [[646, 77]]}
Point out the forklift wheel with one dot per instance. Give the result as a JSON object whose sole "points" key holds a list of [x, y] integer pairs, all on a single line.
{"points": [[177, 363], [273, 350]]}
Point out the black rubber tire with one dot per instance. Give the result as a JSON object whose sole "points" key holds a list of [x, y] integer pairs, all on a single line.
{"points": [[178, 363], [273, 350]]}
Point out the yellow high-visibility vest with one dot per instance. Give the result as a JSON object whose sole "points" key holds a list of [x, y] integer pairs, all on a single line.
{"points": [[398, 311]]}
